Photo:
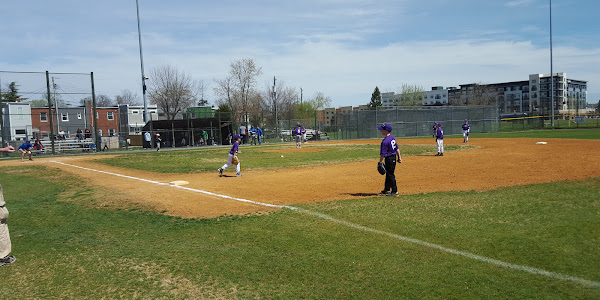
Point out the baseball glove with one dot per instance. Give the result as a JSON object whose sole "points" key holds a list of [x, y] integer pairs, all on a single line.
{"points": [[381, 168], [235, 160]]}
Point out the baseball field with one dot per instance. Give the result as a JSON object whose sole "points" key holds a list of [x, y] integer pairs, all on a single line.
{"points": [[500, 217]]}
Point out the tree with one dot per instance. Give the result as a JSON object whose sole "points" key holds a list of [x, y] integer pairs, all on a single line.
{"points": [[244, 73], [307, 109], [202, 86], [13, 94], [284, 99], [127, 97], [173, 91], [375, 98], [224, 90], [104, 101], [412, 95], [38, 103]]}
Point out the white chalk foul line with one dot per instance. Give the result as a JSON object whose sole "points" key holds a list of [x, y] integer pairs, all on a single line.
{"points": [[177, 186], [492, 261]]}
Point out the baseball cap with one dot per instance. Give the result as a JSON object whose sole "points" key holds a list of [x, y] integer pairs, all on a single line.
{"points": [[298, 124], [28, 141], [466, 120], [237, 136], [385, 126]]}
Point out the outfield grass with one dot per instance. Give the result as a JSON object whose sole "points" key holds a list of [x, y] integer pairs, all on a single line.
{"points": [[259, 157], [67, 247]]}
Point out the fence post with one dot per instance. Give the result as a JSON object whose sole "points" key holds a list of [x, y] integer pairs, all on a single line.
{"points": [[49, 113]]}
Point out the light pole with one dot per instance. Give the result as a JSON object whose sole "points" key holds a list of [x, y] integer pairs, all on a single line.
{"points": [[145, 115], [275, 105], [551, 70], [56, 106]]}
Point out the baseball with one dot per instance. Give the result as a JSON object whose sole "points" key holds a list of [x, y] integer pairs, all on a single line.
{"points": [[282, 156]]}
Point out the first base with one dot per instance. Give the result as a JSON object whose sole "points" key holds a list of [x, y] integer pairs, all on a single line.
{"points": [[179, 182]]}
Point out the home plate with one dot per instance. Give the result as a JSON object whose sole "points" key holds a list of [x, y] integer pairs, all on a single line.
{"points": [[541, 143], [179, 182]]}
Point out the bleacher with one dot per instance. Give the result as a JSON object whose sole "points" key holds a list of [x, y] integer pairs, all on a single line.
{"points": [[67, 145]]}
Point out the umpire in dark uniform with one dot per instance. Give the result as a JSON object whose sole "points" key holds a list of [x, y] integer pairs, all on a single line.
{"points": [[389, 154]]}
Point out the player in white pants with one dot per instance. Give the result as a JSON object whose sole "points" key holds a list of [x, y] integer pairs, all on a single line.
{"points": [[466, 128], [233, 152], [439, 137]]}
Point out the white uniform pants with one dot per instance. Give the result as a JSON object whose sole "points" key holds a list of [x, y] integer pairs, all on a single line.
{"points": [[440, 144], [466, 135], [5, 246], [230, 162]]}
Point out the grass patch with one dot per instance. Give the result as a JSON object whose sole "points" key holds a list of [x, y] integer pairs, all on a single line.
{"points": [[69, 249], [258, 157]]}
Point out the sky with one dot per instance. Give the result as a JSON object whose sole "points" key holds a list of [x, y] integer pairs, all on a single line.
{"points": [[342, 48]]}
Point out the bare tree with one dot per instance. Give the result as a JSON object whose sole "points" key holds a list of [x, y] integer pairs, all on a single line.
{"points": [[476, 94], [127, 97], [244, 73], [172, 90], [104, 101], [226, 93], [284, 100], [202, 86]]}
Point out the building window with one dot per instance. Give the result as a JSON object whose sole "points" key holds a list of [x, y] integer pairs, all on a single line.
{"points": [[97, 115], [44, 117], [135, 111], [111, 132], [110, 115], [100, 132], [20, 131], [78, 116], [64, 117], [20, 113]]}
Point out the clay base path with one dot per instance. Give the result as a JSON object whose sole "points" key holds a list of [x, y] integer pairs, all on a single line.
{"points": [[491, 164]]}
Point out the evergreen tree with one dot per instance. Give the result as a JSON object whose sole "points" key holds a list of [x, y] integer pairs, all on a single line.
{"points": [[13, 94], [375, 98]]}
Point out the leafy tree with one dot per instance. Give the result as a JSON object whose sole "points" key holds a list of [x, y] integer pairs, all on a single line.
{"points": [[13, 94], [307, 109], [375, 98], [412, 95]]}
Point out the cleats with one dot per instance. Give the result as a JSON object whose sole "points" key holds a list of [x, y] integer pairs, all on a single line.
{"points": [[220, 172], [392, 194], [7, 260], [238, 175]]}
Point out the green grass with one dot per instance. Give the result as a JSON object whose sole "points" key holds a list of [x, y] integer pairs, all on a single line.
{"points": [[547, 133], [68, 248], [258, 157]]}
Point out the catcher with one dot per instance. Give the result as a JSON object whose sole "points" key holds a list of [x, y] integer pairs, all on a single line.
{"points": [[389, 153], [26, 149], [233, 159]]}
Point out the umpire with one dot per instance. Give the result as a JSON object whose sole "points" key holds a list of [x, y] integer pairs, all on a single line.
{"points": [[390, 153]]}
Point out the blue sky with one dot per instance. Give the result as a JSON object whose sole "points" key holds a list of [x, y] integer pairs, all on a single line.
{"points": [[341, 48]]}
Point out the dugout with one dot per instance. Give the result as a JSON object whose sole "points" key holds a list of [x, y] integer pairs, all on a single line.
{"points": [[183, 133]]}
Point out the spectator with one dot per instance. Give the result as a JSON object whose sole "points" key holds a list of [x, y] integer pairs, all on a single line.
{"points": [[259, 132], [243, 133], [88, 133], [205, 136], [147, 140], [37, 145]]}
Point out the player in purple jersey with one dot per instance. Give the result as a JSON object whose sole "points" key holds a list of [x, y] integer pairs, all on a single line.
{"points": [[439, 137], [298, 135], [466, 128], [233, 153], [389, 154]]}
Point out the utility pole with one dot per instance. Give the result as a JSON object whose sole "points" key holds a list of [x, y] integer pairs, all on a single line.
{"points": [[50, 112], [142, 64], [56, 106], [301, 95], [275, 105]]}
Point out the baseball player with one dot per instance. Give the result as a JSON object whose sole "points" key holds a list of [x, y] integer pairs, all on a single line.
{"points": [[298, 133], [233, 153], [389, 154], [439, 137], [303, 135], [158, 140], [25, 148], [5, 245], [466, 129], [434, 129]]}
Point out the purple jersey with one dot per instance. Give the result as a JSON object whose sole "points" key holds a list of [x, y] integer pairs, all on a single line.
{"points": [[298, 131], [439, 134], [234, 148], [388, 146], [466, 127]]}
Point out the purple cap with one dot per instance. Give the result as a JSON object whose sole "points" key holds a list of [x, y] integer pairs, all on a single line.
{"points": [[466, 120], [298, 125], [387, 127], [237, 136]]}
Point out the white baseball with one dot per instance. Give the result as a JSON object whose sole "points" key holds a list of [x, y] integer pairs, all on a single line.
{"points": [[282, 156]]}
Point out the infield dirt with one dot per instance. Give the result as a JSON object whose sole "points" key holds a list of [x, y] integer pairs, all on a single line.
{"points": [[491, 164]]}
